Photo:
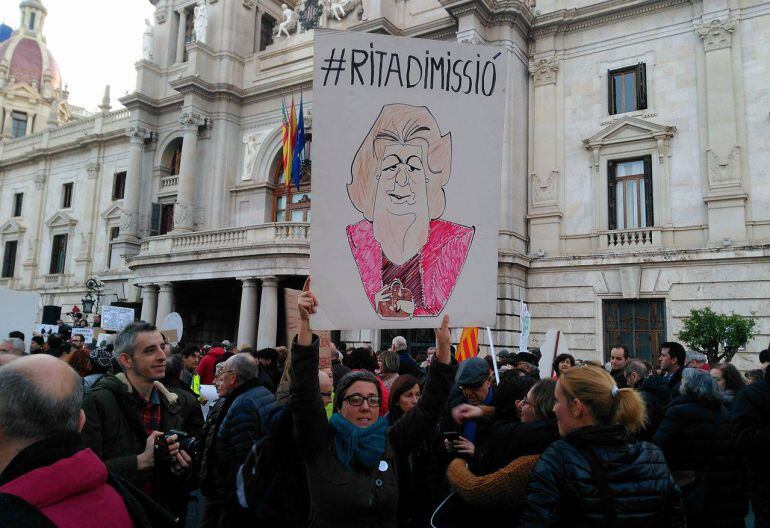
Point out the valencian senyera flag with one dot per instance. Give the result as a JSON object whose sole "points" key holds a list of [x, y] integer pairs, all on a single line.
{"points": [[469, 344]]}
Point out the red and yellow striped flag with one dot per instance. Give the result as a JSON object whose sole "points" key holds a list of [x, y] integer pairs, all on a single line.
{"points": [[469, 344]]}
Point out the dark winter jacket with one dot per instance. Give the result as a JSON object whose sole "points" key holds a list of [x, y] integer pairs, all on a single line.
{"points": [[656, 396], [114, 432], [356, 497], [247, 417], [673, 383], [619, 375], [750, 415], [55, 477], [206, 456], [695, 438], [564, 490], [407, 365], [506, 440]]}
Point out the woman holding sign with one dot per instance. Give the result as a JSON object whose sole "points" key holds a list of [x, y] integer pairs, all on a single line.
{"points": [[352, 460]]}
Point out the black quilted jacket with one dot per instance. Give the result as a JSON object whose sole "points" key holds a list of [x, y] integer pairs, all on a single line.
{"points": [[563, 492]]}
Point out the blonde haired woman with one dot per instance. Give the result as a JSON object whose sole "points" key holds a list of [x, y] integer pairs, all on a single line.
{"points": [[596, 475]]}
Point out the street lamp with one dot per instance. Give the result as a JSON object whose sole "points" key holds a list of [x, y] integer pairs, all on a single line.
{"points": [[93, 286]]}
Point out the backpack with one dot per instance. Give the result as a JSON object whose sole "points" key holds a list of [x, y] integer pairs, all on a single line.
{"points": [[271, 483]]}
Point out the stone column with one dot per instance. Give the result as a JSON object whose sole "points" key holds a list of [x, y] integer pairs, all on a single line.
{"points": [[268, 313], [184, 207], [180, 43], [248, 315], [149, 302], [7, 124], [544, 212], [726, 197], [129, 219], [165, 301]]}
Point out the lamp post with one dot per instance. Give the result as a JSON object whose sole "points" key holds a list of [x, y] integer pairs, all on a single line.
{"points": [[89, 303]]}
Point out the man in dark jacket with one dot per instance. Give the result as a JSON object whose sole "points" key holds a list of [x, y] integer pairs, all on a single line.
{"points": [[268, 364], [46, 475], [127, 415], [672, 359], [619, 356], [407, 364], [750, 415], [653, 390], [244, 418]]}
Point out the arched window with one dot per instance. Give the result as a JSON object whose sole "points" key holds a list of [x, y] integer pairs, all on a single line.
{"points": [[292, 204]]}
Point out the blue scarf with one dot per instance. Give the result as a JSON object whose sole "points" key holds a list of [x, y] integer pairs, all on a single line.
{"points": [[471, 428], [364, 444]]}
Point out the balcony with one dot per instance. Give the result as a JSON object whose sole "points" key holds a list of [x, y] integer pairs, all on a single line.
{"points": [[265, 235], [631, 239], [168, 184]]}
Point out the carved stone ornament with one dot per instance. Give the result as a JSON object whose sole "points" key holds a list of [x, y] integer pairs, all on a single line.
{"points": [[129, 223], [92, 168], [191, 120], [716, 34], [160, 16], [137, 135], [249, 4], [724, 169], [470, 36], [544, 187], [183, 215], [544, 70], [40, 179]]}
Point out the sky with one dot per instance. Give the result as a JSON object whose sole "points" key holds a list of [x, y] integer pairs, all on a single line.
{"points": [[95, 42]]}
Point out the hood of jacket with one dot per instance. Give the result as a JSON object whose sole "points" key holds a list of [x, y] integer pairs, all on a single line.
{"points": [[216, 352], [120, 385]]}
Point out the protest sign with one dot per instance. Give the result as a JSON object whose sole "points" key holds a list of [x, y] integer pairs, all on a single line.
{"points": [[407, 138], [46, 330], [526, 322], [210, 393], [116, 317], [172, 327], [87, 333], [554, 344], [20, 313]]}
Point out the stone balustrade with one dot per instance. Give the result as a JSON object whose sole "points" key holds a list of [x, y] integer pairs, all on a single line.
{"points": [[169, 183], [645, 237]]}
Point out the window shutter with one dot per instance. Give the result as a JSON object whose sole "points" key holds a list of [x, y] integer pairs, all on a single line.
{"points": [[648, 191], [610, 94], [155, 220], [611, 182], [641, 86]]}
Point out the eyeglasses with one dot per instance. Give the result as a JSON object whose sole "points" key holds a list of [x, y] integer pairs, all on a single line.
{"points": [[357, 400], [525, 401], [326, 394], [226, 372]]}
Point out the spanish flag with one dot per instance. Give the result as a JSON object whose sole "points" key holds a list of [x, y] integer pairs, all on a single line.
{"points": [[469, 344]]}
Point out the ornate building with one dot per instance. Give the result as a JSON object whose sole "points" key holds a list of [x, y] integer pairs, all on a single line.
{"points": [[634, 181]]}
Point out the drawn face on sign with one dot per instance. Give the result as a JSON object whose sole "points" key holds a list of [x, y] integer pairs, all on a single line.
{"points": [[398, 179]]}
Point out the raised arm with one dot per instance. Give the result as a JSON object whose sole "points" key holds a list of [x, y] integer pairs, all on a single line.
{"points": [[311, 427], [416, 425]]}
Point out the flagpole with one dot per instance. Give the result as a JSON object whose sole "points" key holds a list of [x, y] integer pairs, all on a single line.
{"points": [[494, 357]]}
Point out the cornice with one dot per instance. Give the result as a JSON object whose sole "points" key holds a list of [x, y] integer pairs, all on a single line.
{"points": [[78, 143], [142, 102], [513, 12], [566, 20], [197, 86]]}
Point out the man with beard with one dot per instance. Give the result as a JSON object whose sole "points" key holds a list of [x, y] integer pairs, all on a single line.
{"points": [[128, 414]]}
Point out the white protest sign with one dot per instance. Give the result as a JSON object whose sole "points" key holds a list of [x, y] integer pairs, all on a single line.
{"points": [[408, 139], [19, 312], [554, 344], [46, 330], [526, 321], [87, 333], [173, 322], [116, 317], [210, 393]]}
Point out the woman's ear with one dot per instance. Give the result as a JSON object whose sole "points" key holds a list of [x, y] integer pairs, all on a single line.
{"points": [[576, 408]]}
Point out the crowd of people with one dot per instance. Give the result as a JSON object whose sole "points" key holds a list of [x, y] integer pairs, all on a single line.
{"points": [[96, 437]]}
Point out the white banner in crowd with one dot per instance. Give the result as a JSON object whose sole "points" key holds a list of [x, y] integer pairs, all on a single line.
{"points": [[408, 137], [526, 322], [18, 311], [46, 330], [553, 345], [87, 333], [116, 317]]}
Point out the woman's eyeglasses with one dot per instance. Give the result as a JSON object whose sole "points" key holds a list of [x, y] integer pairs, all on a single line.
{"points": [[357, 400]]}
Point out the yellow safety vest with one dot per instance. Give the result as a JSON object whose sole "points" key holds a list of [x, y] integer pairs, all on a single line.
{"points": [[196, 384]]}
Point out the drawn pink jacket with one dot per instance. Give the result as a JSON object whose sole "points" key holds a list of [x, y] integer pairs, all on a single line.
{"points": [[73, 493], [441, 261]]}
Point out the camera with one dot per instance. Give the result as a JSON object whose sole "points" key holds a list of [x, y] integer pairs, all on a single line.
{"points": [[187, 443]]}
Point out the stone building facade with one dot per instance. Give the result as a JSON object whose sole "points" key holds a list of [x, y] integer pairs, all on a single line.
{"points": [[634, 183]]}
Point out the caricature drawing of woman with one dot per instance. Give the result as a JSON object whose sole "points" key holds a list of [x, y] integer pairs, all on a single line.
{"points": [[402, 245]]}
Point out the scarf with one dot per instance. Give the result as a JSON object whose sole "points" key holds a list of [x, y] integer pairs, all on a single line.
{"points": [[364, 444], [471, 428]]}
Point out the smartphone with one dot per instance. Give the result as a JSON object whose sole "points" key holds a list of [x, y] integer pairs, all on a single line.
{"points": [[451, 435]]}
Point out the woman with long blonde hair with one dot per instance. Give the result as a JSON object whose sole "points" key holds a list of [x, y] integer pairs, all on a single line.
{"points": [[596, 474]]}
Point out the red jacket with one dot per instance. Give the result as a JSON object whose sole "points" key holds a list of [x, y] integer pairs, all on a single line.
{"points": [[206, 366], [73, 493]]}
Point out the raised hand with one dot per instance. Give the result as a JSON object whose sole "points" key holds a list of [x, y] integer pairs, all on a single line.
{"points": [[307, 305], [444, 342]]}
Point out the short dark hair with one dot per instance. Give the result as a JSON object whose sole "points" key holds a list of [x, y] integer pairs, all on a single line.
{"points": [[624, 348], [268, 353], [512, 387], [675, 350], [28, 413], [349, 379], [16, 333], [55, 341], [190, 351], [764, 355], [125, 340], [560, 358], [38, 339], [174, 367]]}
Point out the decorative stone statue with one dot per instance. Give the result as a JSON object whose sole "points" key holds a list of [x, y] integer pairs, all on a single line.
{"points": [[289, 21], [339, 9], [201, 21], [149, 31]]}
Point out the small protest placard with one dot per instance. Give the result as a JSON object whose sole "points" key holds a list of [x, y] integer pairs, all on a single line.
{"points": [[292, 328], [87, 333], [116, 317], [45, 330]]}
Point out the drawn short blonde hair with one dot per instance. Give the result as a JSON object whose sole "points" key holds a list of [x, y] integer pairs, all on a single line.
{"points": [[406, 125]]}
